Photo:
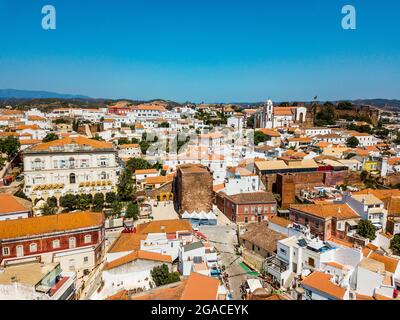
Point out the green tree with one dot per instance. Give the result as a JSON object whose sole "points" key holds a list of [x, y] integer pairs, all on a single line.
{"points": [[345, 105], [2, 162], [352, 142], [52, 201], [132, 211], [111, 197], [10, 146], [125, 186], [164, 125], [161, 275], [47, 210], [395, 244], [137, 164], [144, 146], [250, 122], [326, 115], [259, 137], [98, 138], [366, 229], [50, 137], [69, 202], [123, 141], [98, 202], [84, 201], [397, 139], [116, 208]]}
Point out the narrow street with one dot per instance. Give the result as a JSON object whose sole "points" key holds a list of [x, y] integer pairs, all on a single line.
{"points": [[224, 238], [94, 279]]}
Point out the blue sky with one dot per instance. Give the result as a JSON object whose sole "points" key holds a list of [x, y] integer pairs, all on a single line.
{"points": [[203, 50]]}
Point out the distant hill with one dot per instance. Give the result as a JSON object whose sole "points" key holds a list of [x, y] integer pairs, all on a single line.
{"points": [[379, 103], [30, 94]]}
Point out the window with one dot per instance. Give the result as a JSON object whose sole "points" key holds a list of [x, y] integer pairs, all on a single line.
{"points": [[33, 247], [283, 251], [311, 262], [72, 163], [103, 176], [6, 251], [88, 238], [246, 219], [72, 178], [56, 244], [84, 163], [103, 162], [85, 259], [72, 242], [37, 164], [20, 251]]}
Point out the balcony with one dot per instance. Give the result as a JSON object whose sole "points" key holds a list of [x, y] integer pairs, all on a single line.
{"points": [[64, 289], [275, 265]]}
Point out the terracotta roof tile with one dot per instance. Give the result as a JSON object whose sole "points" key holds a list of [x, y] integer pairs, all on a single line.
{"points": [[49, 224], [326, 210], [10, 204], [77, 140], [127, 242], [322, 283], [164, 226], [138, 255]]}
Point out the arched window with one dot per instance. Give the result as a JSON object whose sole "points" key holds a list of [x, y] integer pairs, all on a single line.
{"points": [[72, 242], [33, 247], [72, 178]]}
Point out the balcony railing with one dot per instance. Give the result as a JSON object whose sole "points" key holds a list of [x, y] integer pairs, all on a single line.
{"points": [[64, 289], [275, 264]]}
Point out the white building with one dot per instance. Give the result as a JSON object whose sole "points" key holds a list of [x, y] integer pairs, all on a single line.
{"points": [[368, 207], [132, 271], [241, 180], [299, 255], [36, 281], [269, 116], [74, 164], [236, 122], [196, 257], [129, 151]]}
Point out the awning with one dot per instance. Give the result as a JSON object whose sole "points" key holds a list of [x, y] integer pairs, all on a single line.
{"points": [[352, 223]]}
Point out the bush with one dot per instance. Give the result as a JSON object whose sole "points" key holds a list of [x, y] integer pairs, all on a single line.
{"points": [[395, 244], [50, 137], [132, 211], [48, 210], [366, 229], [161, 275], [111, 197], [352, 142], [52, 202], [68, 202], [98, 202]]}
